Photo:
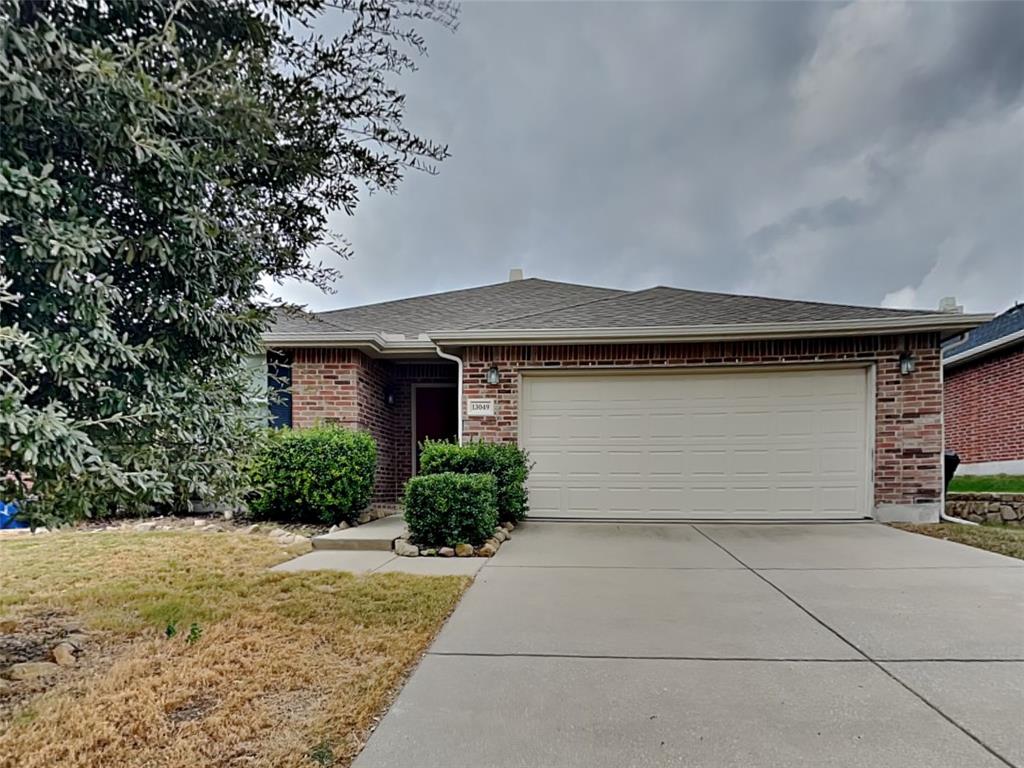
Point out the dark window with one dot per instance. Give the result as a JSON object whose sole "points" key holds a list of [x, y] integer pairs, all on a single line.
{"points": [[279, 387]]}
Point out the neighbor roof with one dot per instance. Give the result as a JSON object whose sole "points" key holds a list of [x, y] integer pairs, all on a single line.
{"points": [[1003, 330], [544, 310]]}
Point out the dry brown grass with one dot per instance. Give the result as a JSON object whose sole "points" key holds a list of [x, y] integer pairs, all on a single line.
{"points": [[290, 669]]}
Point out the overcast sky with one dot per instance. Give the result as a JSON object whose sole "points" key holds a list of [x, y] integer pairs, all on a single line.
{"points": [[861, 153]]}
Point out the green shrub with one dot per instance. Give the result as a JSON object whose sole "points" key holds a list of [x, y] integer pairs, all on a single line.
{"points": [[507, 462], [319, 475], [446, 509]]}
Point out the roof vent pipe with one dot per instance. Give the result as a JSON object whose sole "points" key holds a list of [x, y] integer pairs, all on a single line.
{"points": [[515, 274], [948, 304]]}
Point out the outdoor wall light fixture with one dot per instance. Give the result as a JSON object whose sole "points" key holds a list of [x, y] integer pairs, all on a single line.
{"points": [[389, 396], [907, 363], [492, 375]]}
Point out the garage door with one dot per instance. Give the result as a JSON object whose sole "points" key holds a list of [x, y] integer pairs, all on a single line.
{"points": [[734, 445]]}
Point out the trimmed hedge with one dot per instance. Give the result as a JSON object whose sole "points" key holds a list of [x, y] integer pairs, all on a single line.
{"points": [[318, 475], [507, 462], [446, 509]]}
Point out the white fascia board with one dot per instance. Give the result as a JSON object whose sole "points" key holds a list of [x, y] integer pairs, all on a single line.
{"points": [[984, 349], [731, 331]]}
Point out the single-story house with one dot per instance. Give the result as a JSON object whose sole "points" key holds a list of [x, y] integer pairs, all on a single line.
{"points": [[655, 404], [984, 393]]}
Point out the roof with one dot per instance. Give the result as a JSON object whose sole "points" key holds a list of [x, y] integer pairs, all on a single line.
{"points": [[1002, 331], [544, 311], [678, 307]]}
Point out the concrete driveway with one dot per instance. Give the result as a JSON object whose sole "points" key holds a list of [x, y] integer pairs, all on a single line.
{"points": [[608, 645]]}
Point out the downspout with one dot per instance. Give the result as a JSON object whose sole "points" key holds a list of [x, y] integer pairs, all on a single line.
{"points": [[943, 517], [458, 362]]}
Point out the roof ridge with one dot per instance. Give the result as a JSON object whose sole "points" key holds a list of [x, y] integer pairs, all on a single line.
{"points": [[463, 290], [619, 295]]}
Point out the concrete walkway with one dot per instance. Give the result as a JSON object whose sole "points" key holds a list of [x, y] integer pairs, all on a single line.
{"points": [[606, 646], [375, 561]]}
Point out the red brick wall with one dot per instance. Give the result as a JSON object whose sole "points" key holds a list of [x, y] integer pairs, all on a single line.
{"points": [[985, 407], [908, 409], [407, 374]]}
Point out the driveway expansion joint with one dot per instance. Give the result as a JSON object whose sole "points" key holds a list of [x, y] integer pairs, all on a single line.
{"points": [[879, 665]]}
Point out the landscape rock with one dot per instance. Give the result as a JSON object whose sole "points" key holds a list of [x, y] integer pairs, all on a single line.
{"points": [[404, 549], [364, 518], [494, 543], [229, 514], [149, 525], [8, 626], [32, 670], [278, 533], [198, 523], [509, 526], [211, 527], [1008, 512], [463, 550], [486, 550], [500, 534], [251, 529], [77, 639], [65, 654], [428, 552], [446, 552]]}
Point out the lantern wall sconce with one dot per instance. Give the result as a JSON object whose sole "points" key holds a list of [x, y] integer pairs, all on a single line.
{"points": [[492, 375], [389, 395], [908, 363]]}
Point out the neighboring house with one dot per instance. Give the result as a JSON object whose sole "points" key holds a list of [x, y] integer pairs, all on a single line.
{"points": [[984, 391], [655, 404]]}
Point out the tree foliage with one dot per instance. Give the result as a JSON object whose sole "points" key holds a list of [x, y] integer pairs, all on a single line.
{"points": [[158, 158]]}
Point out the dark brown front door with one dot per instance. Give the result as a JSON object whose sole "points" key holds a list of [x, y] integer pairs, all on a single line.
{"points": [[436, 416]]}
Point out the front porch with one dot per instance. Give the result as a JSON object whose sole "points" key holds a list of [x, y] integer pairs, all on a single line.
{"points": [[399, 402]]}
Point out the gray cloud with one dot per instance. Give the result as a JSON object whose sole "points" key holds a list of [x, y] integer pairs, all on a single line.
{"points": [[860, 153]]}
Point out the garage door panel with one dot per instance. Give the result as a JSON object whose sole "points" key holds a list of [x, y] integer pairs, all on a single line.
{"points": [[723, 444]]}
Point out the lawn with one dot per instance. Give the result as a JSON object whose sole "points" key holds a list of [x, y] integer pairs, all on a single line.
{"points": [[987, 484], [260, 668], [1004, 541]]}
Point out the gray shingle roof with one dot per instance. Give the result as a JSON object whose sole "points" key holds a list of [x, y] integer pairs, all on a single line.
{"points": [[663, 306], [544, 304], [458, 310], [1010, 321]]}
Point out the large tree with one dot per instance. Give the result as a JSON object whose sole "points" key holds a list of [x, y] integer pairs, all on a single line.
{"points": [[158, 158]]}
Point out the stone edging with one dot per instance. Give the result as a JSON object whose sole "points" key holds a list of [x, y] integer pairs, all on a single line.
{"points": [[405, 548], [992, 508]]}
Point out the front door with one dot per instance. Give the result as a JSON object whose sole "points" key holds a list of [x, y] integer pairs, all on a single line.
{"points": [[435, 416]]}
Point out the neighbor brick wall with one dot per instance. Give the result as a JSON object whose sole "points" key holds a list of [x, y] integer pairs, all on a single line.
{"points": [[985, 407], [908, 409]]}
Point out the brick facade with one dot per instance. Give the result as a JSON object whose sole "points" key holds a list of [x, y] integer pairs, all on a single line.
{"points": [[985, 407], [908, 409], [348, 387]]}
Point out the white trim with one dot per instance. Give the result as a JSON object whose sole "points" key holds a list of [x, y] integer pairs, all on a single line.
{"points": [[877, 325], [378, 343], [982, 349], [412, 424]]}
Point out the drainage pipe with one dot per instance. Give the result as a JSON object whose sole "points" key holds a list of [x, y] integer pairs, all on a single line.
{"points": [[458, 362]]}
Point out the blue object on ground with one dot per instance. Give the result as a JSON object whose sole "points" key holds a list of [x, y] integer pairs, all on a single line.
{"points": [[7, 512]]}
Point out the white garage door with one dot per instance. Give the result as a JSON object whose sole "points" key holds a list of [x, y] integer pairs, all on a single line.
{"points": [[736, 445]]}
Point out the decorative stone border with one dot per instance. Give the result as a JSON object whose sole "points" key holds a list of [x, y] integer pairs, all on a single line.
{"points": [[405, 548], [992, 508]]}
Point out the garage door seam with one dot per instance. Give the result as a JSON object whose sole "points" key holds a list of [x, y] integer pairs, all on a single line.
{"points": [[854, 646]]}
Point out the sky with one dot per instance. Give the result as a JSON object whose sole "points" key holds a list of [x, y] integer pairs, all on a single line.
{"points": [[859, 153]]}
